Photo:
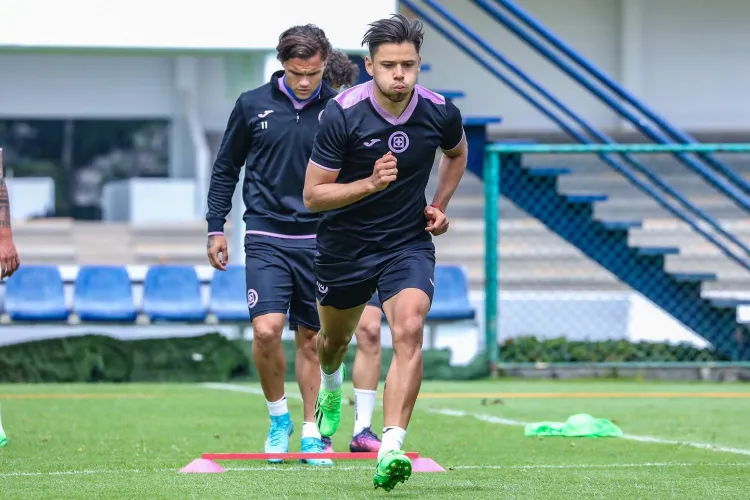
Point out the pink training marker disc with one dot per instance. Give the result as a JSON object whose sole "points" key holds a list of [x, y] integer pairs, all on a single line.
{"points": [[423, 464], [202, 466]]}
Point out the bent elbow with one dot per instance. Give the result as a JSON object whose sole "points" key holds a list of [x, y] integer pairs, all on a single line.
{"points": [[309, 201]]}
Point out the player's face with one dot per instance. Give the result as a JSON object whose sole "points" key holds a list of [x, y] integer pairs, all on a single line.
{"points": [[394, 69], [303, 76]]}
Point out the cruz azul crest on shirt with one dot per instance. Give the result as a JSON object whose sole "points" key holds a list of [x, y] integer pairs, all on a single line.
{"points": [[398, 142]]}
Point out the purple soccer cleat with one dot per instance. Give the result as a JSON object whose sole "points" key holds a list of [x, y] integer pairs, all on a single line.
{"points": [[365, 441], [327, 444]]}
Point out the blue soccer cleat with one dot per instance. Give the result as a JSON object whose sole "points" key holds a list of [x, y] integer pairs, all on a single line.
{"points": [[314, 445], [278, 436]]}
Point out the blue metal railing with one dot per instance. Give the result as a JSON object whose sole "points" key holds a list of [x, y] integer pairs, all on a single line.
{"points": [[622, 169], [735, 190], [620, 91]]}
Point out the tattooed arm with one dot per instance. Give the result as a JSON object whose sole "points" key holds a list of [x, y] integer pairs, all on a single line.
{"points": [[8, 254]]}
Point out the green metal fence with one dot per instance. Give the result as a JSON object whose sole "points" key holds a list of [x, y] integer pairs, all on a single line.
{"points": [[627, 219]]}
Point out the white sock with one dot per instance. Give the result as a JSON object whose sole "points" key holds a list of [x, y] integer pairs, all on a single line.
{"points": [[332, 381], [364, 404], [393, 438], [278, 408], [310, 430]]}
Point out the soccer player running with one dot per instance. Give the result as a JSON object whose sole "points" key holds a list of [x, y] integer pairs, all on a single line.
{"points": [[342, 74], [8, 254], [368, 172], [272, 128]]}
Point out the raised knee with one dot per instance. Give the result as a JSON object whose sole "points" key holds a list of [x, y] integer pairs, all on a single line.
{"points": [[336, 328], [335, 343], [267, 331]]}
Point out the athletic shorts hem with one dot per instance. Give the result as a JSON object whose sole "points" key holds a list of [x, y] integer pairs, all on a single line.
{"points": [[391, 295], [268, 309], [297, 324]]}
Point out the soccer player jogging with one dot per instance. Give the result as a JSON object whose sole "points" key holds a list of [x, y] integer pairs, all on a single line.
{"points": [[8, 255], [342, 74], [271, 130], [368, 172]]}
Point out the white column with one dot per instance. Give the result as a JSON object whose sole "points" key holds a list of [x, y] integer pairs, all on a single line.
{"points": [[199, 156], [181, 161], [180, 165]]}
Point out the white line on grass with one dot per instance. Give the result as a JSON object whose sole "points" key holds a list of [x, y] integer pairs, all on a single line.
{"points": [[631, 437], [337, 468], [506, 421], [243, 388]]}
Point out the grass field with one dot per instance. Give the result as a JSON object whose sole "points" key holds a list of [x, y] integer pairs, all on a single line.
{"points": [[128, 441]]}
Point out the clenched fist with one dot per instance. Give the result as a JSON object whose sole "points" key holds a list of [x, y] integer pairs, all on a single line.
{"points": [[437, 222], [385, 172]]}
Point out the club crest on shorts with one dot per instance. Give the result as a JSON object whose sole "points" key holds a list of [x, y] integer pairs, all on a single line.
{"points": [[252, 298], [322, 288], [398, 142]]}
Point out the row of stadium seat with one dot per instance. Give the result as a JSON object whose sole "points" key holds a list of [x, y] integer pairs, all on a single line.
{"points": [[171, 293]]}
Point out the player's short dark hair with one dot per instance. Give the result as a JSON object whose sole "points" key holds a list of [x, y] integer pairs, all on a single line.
{"points": [[397, 29], [303, 42], [340, 70]]}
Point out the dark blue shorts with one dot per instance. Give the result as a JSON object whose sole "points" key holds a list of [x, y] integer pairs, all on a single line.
{"points": [[280, 277], [375, 301], [347, 284]]}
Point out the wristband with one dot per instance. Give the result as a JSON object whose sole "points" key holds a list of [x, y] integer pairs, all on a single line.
{"points": [[434, 205]]}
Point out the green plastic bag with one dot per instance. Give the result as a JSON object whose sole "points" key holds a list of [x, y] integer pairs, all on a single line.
{"points": [[581, 425]]}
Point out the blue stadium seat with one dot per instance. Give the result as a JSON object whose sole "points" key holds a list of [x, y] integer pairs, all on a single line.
{"points": [[172, 293], [104, 294], [451, 299], [228, 295], [35, 293]]}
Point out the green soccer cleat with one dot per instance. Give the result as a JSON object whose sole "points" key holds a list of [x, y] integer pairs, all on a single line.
{"points": [[393, 468], [328, 409], [3, 440]]}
